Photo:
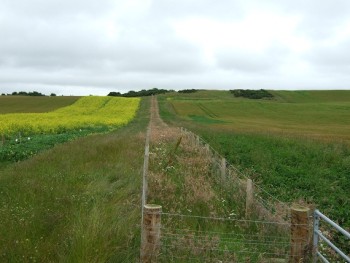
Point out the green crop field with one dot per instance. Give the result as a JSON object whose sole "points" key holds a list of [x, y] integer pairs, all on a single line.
{"points": [[26, 104], [296, 145], [299, 113]]}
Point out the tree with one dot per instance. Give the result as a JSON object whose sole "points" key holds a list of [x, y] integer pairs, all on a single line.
{"points": [[114, 94]]}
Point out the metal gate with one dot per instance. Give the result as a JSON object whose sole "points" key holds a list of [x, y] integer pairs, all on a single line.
{"points": [[318, 235]]}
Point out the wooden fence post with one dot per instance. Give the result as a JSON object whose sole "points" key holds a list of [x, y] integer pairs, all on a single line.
{"points": [[223, 169], [150, 239], [249, 198], [207, 148], [299, 234], [193, 139]]}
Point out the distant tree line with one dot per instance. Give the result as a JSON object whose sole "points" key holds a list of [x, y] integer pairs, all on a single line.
{"points": [[252, 94], [23, 93], [149, 92], [140, 93], [187, 91]]}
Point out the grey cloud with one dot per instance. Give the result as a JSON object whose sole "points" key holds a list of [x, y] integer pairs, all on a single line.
{"points": [[331, 59], [251, 62], [168, 56], [146, 47], [59, 43], [319, 19], [209, 8], [51, 9]]}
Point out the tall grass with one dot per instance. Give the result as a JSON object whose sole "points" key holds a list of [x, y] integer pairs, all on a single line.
{"points": [[77, 202]]}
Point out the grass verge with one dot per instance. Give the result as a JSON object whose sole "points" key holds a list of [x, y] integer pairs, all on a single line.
{"points": [[77, 202]]}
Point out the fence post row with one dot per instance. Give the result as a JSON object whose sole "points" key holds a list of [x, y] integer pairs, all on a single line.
{"points": [[207, 148], [223, 170], [150, 240], [145, 169], [299, 234], [198, 141]]}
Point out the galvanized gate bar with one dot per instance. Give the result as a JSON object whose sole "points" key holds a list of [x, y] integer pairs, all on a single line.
{"points": [[322, 257], [318, 234], [340, 229], [333, 246]]}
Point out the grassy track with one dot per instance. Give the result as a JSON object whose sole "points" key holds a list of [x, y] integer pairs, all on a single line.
{"points": [[296, 146], [78, 202], [26, 104]]}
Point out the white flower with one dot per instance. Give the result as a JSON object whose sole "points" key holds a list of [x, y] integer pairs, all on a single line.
{"points": [[28, 138], [16, 140]]}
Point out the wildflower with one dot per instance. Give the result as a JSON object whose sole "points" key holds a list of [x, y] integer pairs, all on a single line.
{"points": [[28, 138]]}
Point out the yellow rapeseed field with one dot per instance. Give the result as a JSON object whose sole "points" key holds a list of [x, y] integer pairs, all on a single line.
{"points": [[89, 111]]}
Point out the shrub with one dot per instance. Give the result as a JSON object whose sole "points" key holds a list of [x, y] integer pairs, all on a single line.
{"points": [[251, 94]]}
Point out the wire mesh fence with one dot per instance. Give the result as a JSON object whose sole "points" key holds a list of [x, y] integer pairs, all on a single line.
{"points": [[233, 183], [212, 239], [253, 231]]}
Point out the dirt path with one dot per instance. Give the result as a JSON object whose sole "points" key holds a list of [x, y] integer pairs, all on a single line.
{"points": [[160, 131], [155, 118], [175, 154]]}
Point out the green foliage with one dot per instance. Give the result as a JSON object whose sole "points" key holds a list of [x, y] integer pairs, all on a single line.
{"points": [[23, 93], [293, 168], [17, 148], [187, 91], [115, 94], [141, 93], [251, 94]]}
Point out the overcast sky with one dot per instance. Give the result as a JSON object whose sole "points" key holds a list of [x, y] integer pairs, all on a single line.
{"points": [[82, 47]]}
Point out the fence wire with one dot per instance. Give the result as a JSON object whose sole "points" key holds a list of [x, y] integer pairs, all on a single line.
{"points": [[213, 239], [233, 183], [263, 237], [191, 238]]}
